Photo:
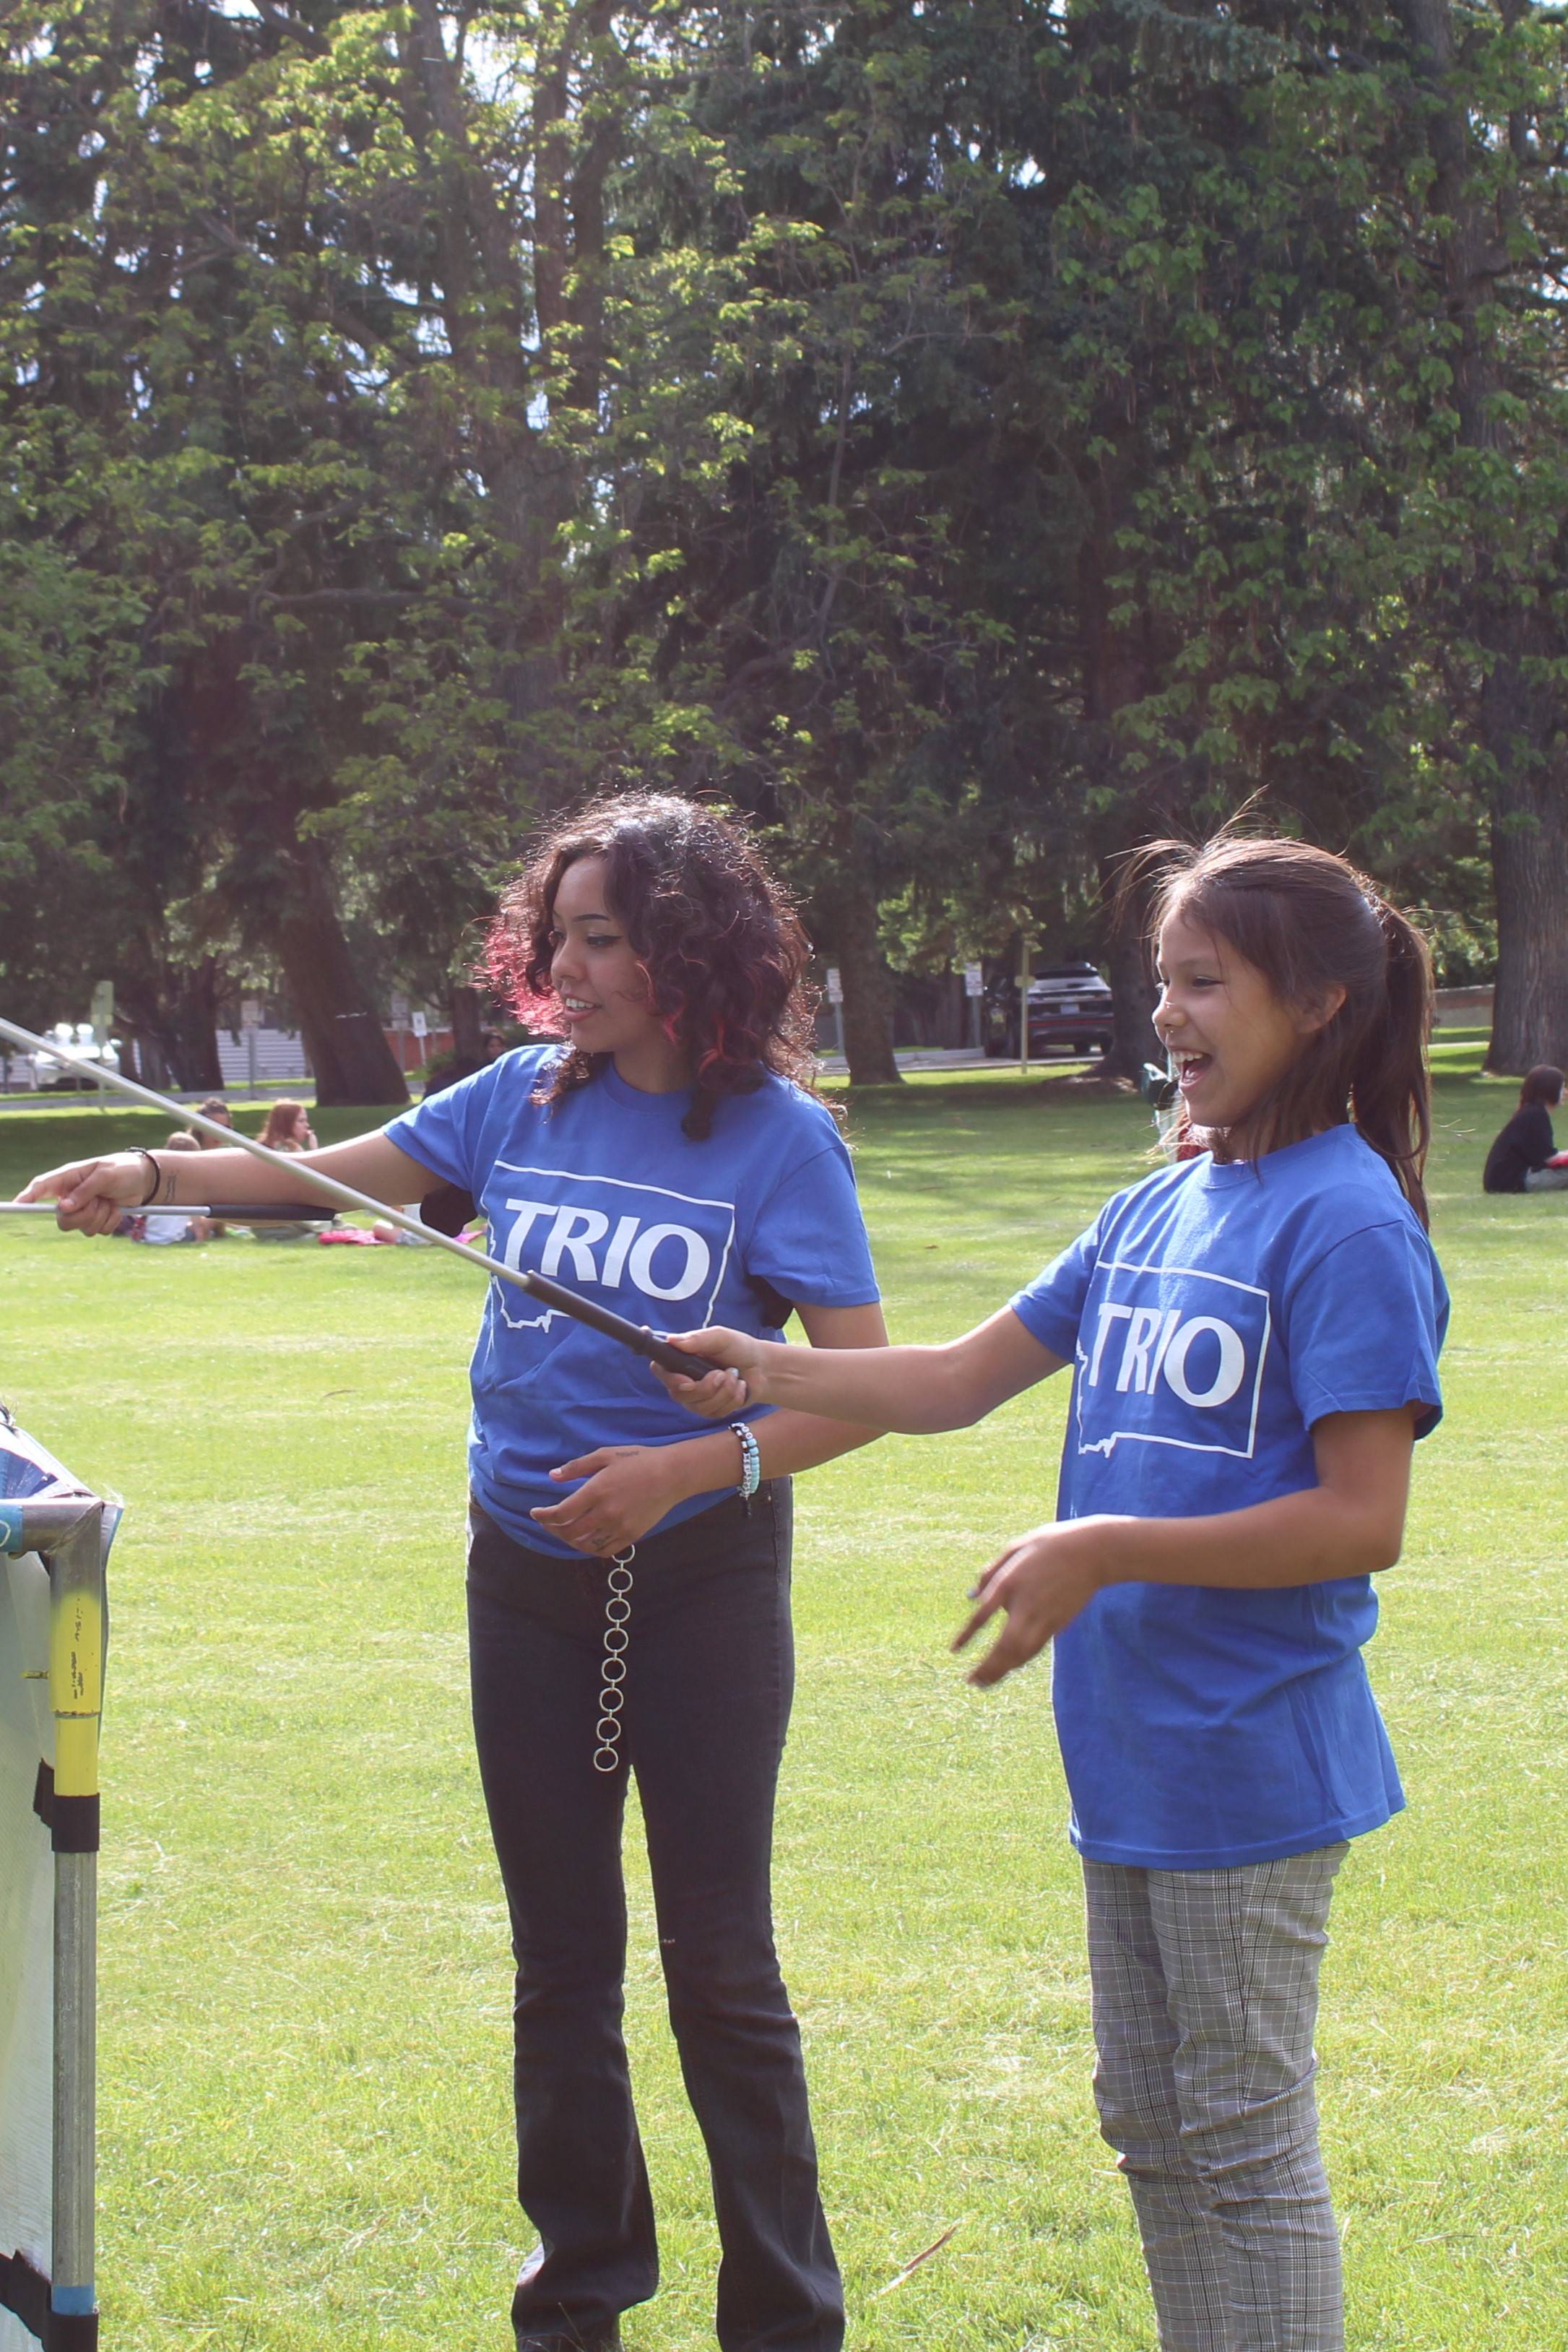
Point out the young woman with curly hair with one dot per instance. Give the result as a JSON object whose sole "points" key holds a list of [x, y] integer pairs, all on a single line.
{"points": [[628, 1599]]}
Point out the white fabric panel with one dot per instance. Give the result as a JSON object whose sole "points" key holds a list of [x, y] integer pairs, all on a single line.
{"points": [[26, 1928], [26, 1878]]}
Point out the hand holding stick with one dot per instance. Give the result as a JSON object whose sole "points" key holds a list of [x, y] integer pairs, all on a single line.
{"points": [[719, 1371]]}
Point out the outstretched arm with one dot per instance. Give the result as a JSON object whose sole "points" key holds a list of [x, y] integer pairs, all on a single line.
{"points": [[1351, 1523], [915, 1389], [93, 1194]]}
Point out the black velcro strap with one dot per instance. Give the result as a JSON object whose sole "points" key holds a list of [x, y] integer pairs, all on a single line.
{"points": [[26, 2292], [72, 2331], [73, 1821], [776, 1308], [447, 1209], [76, 1824]]}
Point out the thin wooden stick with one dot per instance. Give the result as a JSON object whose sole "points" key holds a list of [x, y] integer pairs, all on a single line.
{"points": [[925, 2256]]}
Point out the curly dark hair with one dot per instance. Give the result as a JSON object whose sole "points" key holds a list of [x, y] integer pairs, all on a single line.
{"points": [[719, 942]]}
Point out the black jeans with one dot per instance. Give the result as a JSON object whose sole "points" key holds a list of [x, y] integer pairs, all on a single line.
{"points": [[709, 1677]]}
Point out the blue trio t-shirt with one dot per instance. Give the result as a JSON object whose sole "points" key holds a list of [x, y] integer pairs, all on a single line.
{"points": [[1213, 1313], [603, 1191]]}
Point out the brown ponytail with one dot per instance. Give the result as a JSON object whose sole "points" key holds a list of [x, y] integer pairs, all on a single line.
{"points": [[1309, 922], [1390, 1084]]}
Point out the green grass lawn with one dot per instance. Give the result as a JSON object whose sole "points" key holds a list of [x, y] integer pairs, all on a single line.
{"points": [[304, 2122]]}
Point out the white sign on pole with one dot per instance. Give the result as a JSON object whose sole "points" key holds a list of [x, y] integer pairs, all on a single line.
{"points": [[973, 983], [250, 1013], [421, 1025], [102, 1012], [835, 985]]}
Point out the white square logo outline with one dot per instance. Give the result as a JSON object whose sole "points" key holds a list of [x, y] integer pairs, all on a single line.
{"points": [[542, 1322], [1151, 1437]]}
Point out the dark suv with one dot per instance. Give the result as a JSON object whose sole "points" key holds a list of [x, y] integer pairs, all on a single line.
{"points": [[1070, 1011]]}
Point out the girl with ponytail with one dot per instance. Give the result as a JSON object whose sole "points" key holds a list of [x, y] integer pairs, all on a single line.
{"points": [[1253, 1334]]}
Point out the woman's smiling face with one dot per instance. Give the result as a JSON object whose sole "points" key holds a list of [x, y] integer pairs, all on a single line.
{"points": [[1232, 1039], [603, 987]]}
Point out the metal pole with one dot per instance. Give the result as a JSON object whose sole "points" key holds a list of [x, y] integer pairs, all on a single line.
{"points": [[1025, 951], [76, 1698], [239, 1213]]}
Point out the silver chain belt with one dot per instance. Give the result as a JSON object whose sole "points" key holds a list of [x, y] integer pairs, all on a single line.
{"points": [[613, 1674]]}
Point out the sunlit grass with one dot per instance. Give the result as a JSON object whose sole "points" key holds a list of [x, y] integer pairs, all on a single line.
{"points": [[304, 2133]]}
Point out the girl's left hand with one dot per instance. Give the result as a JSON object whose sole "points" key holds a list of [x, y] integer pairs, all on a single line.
{"points": [[1042, 1581], [629, 1490]]}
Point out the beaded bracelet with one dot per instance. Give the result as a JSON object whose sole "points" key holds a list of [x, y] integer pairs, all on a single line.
{"points": [[751, 1463]]}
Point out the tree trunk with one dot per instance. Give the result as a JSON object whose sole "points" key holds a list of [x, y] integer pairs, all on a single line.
{"points": [[1507, 612], [468, 1010], [868, 998], [1529, 874], [174, 1018], [1118, 670], [193, 1029], [341, 1027], [532, 482], [1134, 1041]]}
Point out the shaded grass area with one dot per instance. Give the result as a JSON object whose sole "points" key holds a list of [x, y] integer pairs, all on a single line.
{"points": [[304, 2116]]}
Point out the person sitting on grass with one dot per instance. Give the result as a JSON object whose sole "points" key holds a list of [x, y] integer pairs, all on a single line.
{"points": [[217, 1109], [287, 1128], [1521, 1161], [177, 1229], [212, 1109], [1254, 1333]]}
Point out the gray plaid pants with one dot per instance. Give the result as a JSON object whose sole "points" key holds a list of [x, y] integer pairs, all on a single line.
{"points": [[1206, 1993]]}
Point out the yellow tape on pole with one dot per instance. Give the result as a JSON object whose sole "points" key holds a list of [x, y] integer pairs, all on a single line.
{"points": [[75, 1690]]}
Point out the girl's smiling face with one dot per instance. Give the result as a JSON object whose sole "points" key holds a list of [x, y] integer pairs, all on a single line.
{"points": [[1232, 1039], [602, 985]]}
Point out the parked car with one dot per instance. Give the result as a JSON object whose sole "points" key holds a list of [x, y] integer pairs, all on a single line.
{"points": [[1070, 1011], [76, 1039]]}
